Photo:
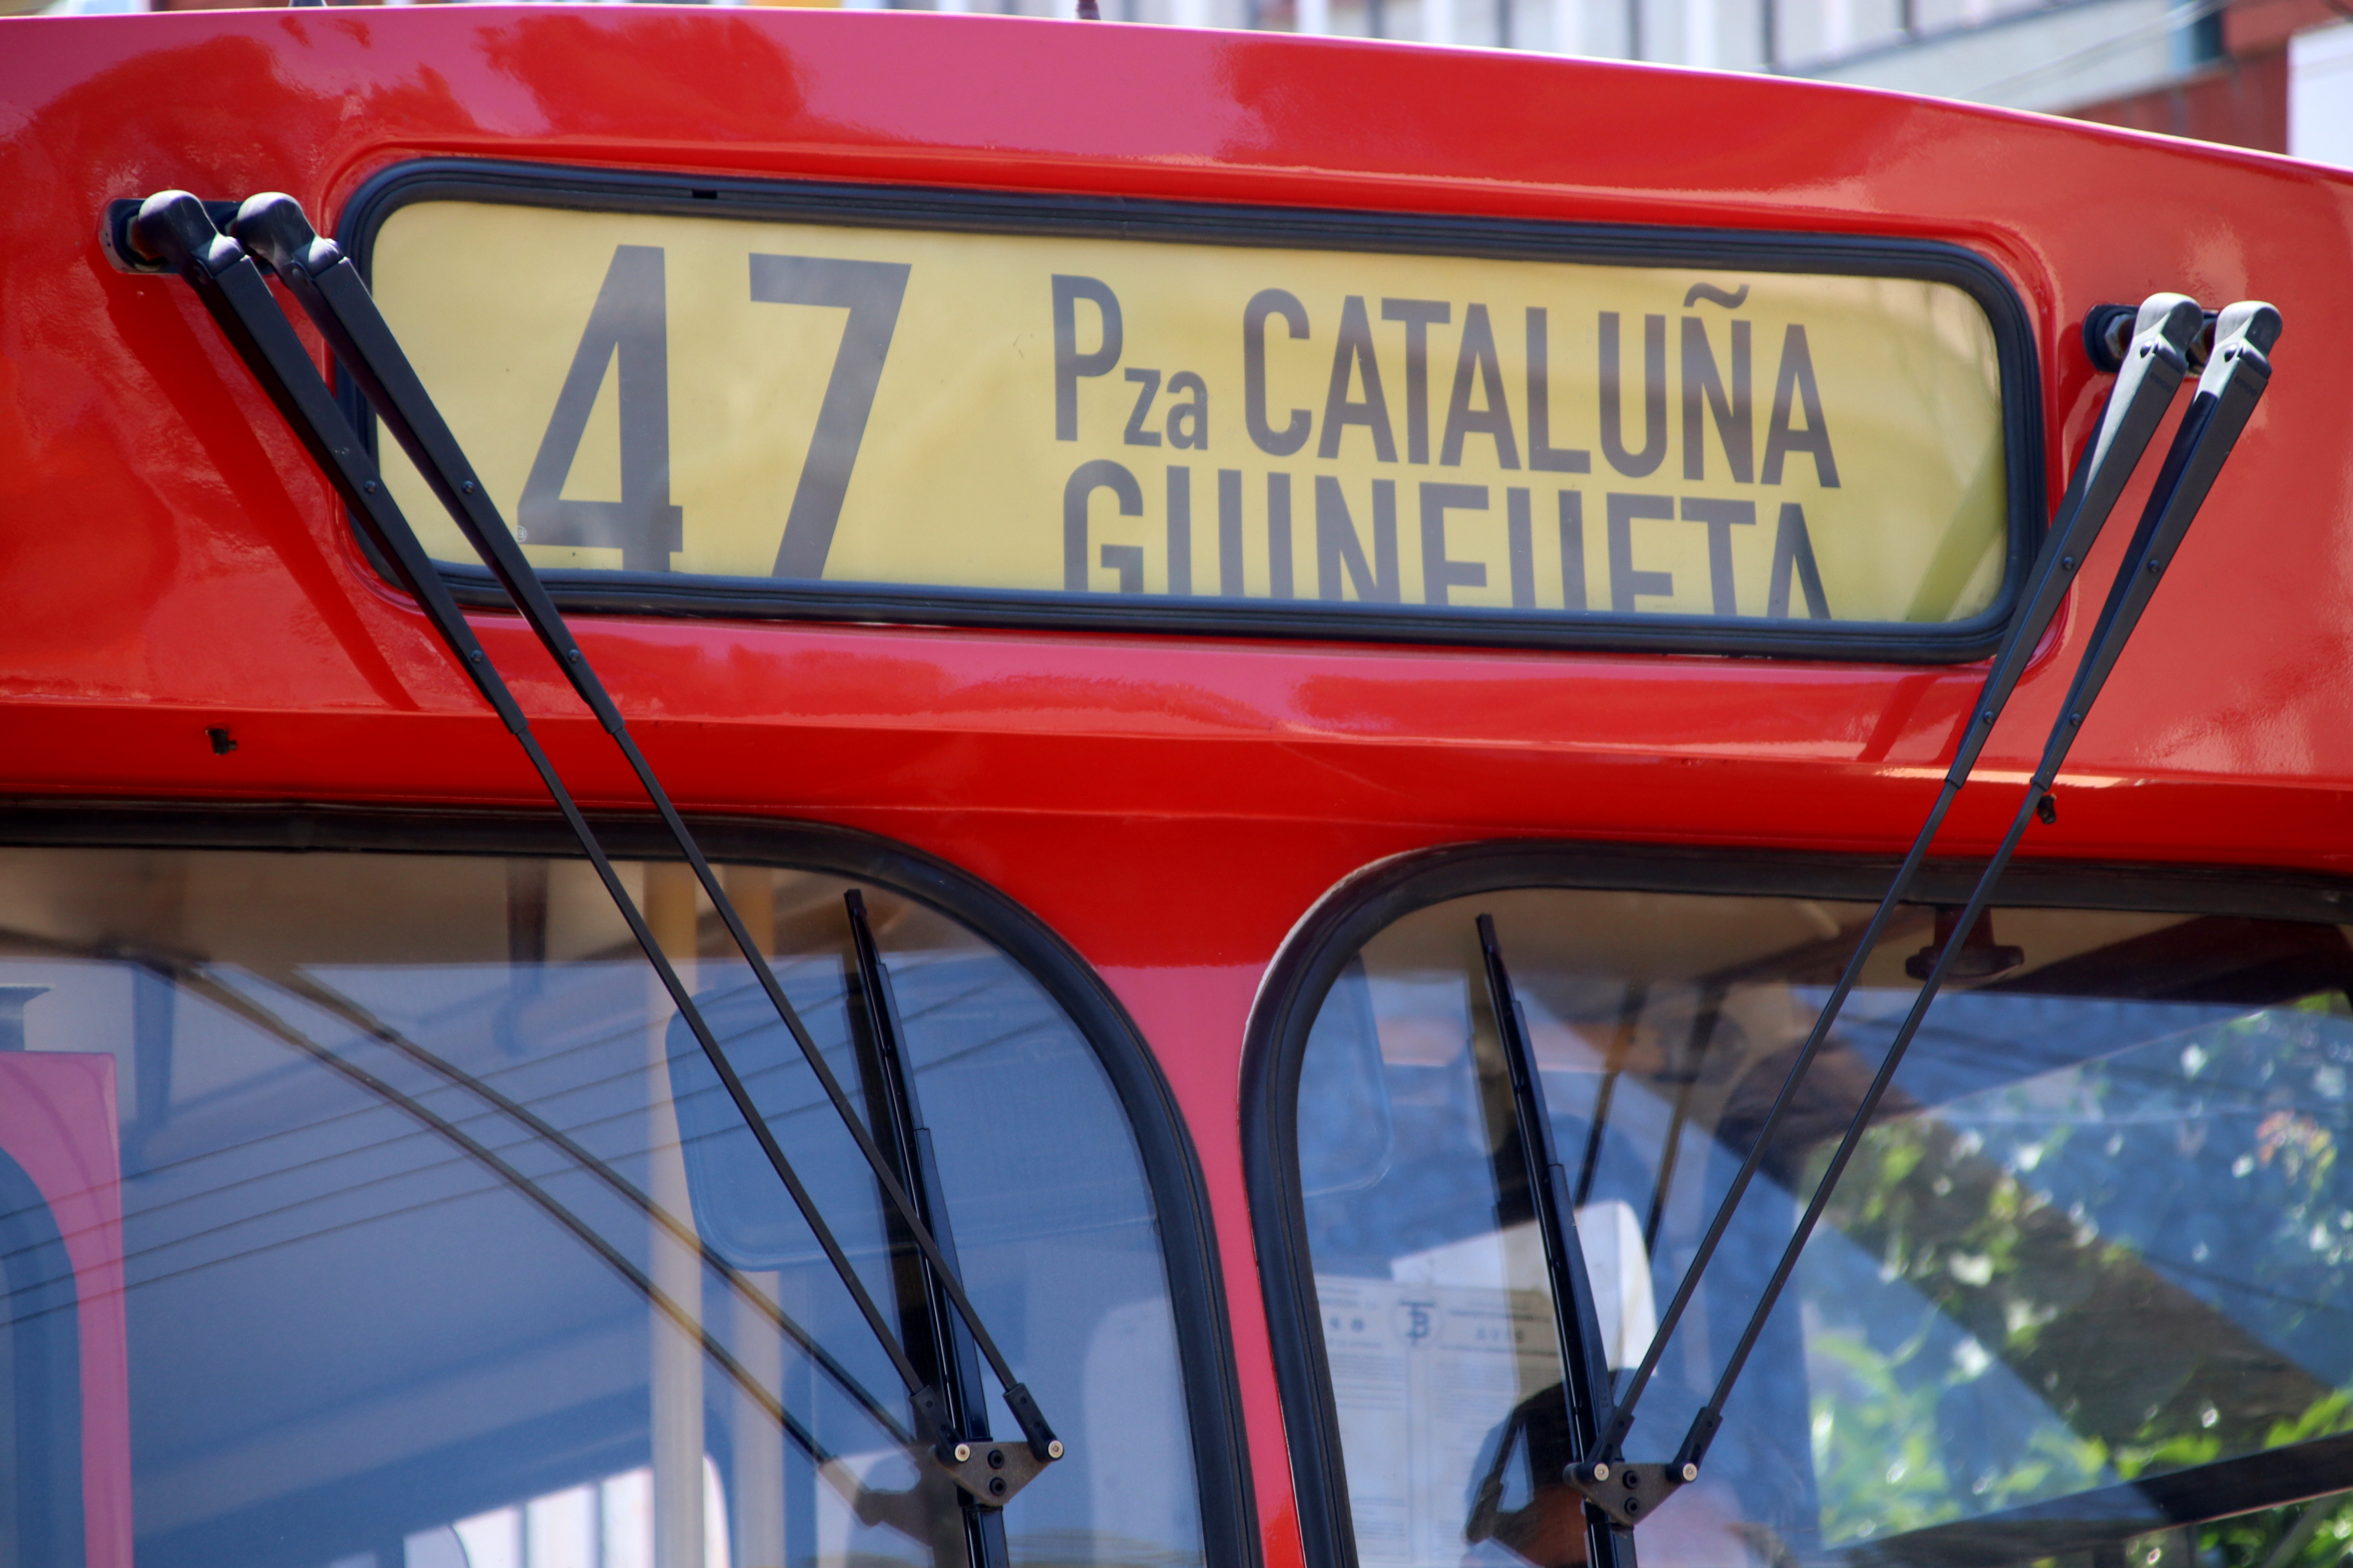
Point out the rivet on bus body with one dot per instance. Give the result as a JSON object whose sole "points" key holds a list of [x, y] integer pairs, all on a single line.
{"points": [[2154, 567], [368, 486], [2066, 563], [475, 657], [467, 488]]}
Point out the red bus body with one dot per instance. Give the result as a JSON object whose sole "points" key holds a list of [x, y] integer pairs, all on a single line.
{"points": [[1171, 806]]}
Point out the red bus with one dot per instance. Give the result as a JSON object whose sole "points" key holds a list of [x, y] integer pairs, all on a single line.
{"points": [[1300, 678]]}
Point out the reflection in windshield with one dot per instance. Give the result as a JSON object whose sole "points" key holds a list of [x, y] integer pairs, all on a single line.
{"points": [[2097, 1235], [2128, 1263], [419, 1274]]}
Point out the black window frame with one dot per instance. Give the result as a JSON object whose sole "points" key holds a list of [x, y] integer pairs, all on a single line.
{"points": [[1394, 233], [1172, 1168], [1361, 905]]}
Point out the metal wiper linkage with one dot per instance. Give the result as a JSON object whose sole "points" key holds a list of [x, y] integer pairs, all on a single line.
{"points": [[2154, 363], [2236, 374], [174, 230]]}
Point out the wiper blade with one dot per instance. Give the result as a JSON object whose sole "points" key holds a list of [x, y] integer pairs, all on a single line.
{"points": [[2233, 383], [2155, 363], [175, 227], [986, 1470], [1584, 1373]]}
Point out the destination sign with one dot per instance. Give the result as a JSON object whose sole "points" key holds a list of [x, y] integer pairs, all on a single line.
{"points": [[1050, 418]]}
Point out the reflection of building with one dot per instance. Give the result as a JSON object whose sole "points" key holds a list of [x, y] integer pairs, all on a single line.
{"points": [[2275, 75], [2270, 74]]}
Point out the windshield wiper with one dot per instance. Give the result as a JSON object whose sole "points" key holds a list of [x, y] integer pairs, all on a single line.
{"points": [[1584, 1371], [175, 227], [2236, 374], [330, 289], [990, 1469], [2155, 362]]}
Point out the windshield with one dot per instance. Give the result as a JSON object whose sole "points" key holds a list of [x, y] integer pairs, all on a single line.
{"points": [[2098, 1235], [439, 1250]]}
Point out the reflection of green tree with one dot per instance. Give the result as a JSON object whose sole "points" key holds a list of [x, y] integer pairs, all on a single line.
{"points": [[2317, 1535], [1876, 1457], [2137, 1374]]}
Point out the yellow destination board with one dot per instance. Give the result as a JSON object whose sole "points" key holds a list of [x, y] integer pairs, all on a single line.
{"points": [[1039, 415]]}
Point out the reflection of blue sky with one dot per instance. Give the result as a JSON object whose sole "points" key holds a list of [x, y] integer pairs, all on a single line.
{"points": [[307, 1262]]}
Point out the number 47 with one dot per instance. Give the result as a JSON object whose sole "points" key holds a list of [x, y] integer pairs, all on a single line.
{"points": [[630, 323]]}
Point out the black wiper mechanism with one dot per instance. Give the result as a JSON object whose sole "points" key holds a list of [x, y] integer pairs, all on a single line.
{"points": [[2233, 383], [176, 229], [1585, 1371], [2155, 362], [988, 1471]]}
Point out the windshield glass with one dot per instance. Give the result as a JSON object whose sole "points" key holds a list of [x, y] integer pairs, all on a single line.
{"points": [[437, 1248], [2098, 1235]]}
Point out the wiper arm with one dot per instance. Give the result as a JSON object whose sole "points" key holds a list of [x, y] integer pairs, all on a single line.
{"points": [[2155, 363], [175, 227], [2233, 383], [330, 291]]}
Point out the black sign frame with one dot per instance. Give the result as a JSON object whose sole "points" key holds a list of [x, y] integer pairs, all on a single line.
{"points": [[1104, 217]]}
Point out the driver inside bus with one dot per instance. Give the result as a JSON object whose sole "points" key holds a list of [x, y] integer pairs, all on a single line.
{"points": [[1528, 1510]]}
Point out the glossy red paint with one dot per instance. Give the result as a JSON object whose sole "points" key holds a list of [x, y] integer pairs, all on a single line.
{"points": [[1171, 806]]}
